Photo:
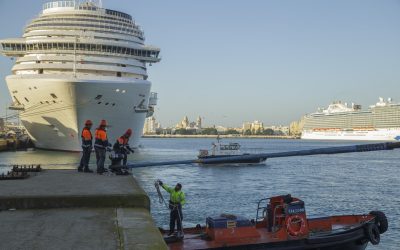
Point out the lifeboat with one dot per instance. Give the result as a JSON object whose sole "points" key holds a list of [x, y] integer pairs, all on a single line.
{"points": [[281, 223]]}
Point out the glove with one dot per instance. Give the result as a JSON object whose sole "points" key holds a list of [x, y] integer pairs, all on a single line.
{"points": [[160, 182]]}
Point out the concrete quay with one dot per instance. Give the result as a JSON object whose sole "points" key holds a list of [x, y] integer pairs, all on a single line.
{"points": [[64, 209]]}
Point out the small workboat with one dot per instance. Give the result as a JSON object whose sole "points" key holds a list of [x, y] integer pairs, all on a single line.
{"points": [[281, 223], [219, 150]]}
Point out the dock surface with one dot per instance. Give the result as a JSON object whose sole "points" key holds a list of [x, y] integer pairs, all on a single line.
{"points": [[64, 209]]}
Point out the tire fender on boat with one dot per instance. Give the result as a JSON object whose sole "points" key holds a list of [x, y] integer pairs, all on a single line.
{"points": [[294, 231], [372, 233], [380, 220]]}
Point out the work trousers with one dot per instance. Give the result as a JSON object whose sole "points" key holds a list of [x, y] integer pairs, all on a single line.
{"points": [[176, 216], [100, 158], [86, 151], [125, 160]]}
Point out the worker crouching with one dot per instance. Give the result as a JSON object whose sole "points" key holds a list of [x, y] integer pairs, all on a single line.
{"points": [[121, 147], [176, 201]]}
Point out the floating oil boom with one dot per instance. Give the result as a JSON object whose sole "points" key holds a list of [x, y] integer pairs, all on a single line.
{"points": [[317, 151]]}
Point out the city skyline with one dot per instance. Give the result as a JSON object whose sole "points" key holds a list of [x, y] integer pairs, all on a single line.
{"points": [[269, 60]]}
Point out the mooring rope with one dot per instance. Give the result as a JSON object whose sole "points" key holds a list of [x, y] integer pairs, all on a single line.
{"points": [[161, 199]]}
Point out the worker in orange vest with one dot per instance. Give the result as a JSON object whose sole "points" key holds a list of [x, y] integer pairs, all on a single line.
{"points": [[121, 146], [87, 143], [101, 144]]}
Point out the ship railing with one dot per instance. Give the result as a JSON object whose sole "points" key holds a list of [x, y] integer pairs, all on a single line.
{"points": [[261, 215], [153, 99]]}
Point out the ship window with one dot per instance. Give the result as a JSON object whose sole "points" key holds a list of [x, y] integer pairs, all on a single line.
{"points": [[54, 101], [53, 95], [47, 102], [26, 99], [35, 87], [41, 102], [118, 74], [113, 104], [40, 71], [99, 103], [107, 103], [98, 97], [117, 90]]}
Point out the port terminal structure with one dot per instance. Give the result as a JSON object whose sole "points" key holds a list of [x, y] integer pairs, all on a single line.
{"points": [[64, 209], [318, 151]]}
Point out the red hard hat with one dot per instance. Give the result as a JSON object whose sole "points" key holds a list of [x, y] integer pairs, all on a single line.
{"points": [[88, 123], [128, 132], [103, 123]]}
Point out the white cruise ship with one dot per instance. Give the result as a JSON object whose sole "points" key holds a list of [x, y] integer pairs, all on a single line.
{"points": [[79, 61], [381, 122]]}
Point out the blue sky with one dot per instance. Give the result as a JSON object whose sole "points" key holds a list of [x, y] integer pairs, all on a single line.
{"points": [[233, 61]]}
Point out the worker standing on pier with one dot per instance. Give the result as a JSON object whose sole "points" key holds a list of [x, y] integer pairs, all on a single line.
{"points": [[176, 201], [87, 144], [101, 144], [121, 146]]}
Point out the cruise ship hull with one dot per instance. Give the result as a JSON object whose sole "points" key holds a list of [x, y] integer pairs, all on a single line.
{"points": [[355, 135], [56, 107]]}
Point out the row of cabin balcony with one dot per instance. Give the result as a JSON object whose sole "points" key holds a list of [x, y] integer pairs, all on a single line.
{"points": [[80, 72], [13, 49], [83, 27], [84, 6], [86, 15], [84, 20]]}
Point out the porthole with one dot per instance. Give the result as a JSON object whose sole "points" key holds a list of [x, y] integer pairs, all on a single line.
{"points": [[99, 103], [35, 87], [98, 97], [54, 101], [53, 95], [47, 102], [107, 103], [113, 104], [123, 91], [117, 90]]}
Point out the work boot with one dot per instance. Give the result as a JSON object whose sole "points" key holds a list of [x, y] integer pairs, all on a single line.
{"points": [[101, 170], [87, 170], [80, 169]]}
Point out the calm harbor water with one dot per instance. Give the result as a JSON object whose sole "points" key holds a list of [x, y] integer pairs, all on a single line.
{"points": [[329, 184]]}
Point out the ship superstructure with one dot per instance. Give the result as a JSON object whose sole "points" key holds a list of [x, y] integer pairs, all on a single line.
{"points": [[79, 61], [341, 122]]}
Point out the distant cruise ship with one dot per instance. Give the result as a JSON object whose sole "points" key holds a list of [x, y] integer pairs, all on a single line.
{"points": [[79, 61], [340, 122]]}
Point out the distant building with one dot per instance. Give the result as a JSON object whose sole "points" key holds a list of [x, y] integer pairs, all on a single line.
{"points": [[254, 127], [221, 129], [183, 124], [198, 122], [296, 127], [151, 126], [279, 129], [186, 124]]}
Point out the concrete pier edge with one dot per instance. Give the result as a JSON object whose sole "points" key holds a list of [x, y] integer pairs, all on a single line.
{"points": [[65, 209]]}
